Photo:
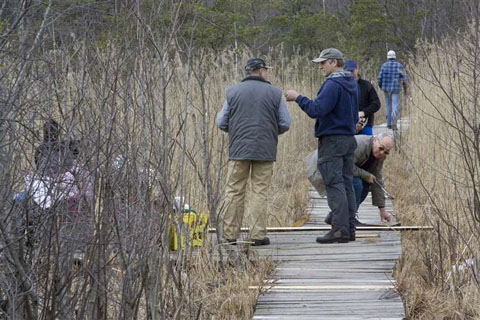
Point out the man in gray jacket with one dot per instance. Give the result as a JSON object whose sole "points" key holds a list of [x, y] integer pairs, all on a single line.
{"points": [[254, 114], [369, 157]]}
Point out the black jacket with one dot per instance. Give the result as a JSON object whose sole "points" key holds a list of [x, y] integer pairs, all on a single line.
{"points": [[368, 101], [54, 156]]}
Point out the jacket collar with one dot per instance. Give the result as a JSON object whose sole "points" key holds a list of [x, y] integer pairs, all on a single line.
{"points": [[257, 78]]}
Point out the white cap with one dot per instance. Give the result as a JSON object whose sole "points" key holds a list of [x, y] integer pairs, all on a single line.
{"points": [[391, 55]]}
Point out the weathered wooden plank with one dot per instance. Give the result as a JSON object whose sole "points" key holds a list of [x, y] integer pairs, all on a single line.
{"points": [[331, 274], [316, 249], [337, 311], [326, 281], [288, 246], [317, 317], [340, 298], [333, 313], [385, 266], [338, 308]]}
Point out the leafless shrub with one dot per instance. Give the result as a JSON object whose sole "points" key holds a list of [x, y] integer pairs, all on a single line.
{"points": [[437, 176], [142, 109]]}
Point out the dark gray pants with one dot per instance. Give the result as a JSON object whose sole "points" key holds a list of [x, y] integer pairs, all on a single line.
{"points": [[335, 163]]}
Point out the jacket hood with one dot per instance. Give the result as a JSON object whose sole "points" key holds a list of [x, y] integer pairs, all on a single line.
{"points": [[347, 82]]}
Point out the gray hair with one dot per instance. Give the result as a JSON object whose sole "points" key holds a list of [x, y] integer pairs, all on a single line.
{"points": [[383, 135], [255, 72]]}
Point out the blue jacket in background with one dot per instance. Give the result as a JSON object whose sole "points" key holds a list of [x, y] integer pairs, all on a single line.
{"points": [[335, 107]]}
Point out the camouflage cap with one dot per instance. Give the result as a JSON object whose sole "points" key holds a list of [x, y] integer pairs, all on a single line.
{"points": [[255, 64], [330, 53]]}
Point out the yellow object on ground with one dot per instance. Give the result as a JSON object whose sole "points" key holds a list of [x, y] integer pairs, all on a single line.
{"points": [[193, 229]]}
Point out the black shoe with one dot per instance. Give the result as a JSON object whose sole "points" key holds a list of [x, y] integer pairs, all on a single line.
{"points": [[233, 242], [358, 223], [328, 218], [352, 236], [334, 236], [389, 127], [261, 242]]}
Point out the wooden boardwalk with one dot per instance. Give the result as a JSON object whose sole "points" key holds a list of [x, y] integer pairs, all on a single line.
{"points": [[332, 281]]}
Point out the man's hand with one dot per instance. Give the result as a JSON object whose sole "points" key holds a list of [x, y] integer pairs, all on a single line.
{"points": [[358, 127], [291, 95], [384, 216], [371, 179]]}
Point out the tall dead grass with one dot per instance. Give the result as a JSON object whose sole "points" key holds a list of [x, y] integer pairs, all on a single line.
{"points": [[435, 177], [148, 134]]}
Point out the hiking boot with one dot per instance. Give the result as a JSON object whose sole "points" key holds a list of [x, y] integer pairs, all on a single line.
{"points": [[328, 218], [352, 236], [389, 127], [261, 242], [358, 223], [394, 127], [334, 236]]}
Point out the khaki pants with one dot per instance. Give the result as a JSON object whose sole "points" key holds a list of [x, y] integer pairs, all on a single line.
{"points": [[260, 173]]}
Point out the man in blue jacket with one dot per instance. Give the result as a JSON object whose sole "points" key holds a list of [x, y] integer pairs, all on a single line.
{"points": [[336, 112]]}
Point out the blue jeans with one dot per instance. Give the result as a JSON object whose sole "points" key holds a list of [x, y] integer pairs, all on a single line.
{"points": [[391, 100], [367, 130], [361, 189]]}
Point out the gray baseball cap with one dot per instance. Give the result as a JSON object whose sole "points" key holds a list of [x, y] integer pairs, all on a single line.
{"points": [[330, 53]]}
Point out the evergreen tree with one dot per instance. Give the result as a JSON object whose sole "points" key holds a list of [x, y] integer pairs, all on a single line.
{"points": [[369, 30]]}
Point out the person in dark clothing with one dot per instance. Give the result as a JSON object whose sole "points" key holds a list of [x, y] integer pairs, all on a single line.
{"points": [[254, 114], [54, 156], [370, 155], [336, 112], [368, 101], [53, 186]]}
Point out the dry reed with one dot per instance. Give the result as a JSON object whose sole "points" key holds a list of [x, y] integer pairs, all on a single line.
{"points": [[435, 179]]}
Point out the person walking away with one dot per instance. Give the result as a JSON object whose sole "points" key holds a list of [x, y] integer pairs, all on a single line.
{"points": [[335, 109], [254, 114], [368, 101], [391, 76]]}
